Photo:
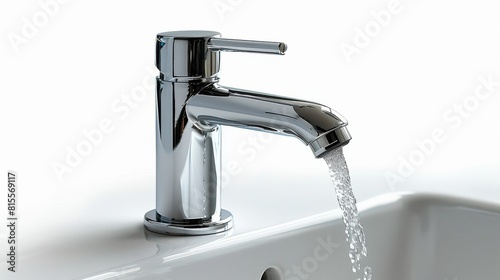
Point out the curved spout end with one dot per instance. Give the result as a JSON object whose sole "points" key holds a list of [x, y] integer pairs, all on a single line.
{"points": [[330, 140]]}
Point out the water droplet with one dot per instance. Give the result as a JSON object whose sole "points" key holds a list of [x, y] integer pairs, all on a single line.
{"points": [[368, 273]]}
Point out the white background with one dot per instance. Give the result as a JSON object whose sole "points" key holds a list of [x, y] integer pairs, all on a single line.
{"points": [[65, 75]]}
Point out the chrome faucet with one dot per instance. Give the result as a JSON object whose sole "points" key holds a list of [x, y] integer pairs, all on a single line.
{"points": [[191, 107]]}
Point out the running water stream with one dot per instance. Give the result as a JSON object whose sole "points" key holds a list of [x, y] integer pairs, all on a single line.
{"points": [[347, 202]]}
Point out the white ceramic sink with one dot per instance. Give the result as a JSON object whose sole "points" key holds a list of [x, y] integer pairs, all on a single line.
{"points": [[409, 236]]}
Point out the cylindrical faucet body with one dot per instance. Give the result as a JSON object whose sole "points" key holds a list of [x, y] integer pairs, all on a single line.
{"points": [[188, 160]]}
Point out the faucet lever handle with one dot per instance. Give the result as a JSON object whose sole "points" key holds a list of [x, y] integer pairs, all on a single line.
{"points": [[195, 54], [236, 45]]}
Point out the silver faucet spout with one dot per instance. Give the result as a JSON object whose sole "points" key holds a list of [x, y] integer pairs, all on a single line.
{"points": [[316, 125], [191, 107]]}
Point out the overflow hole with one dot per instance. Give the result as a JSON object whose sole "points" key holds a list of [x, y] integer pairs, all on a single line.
{"points": [[271, 274]]}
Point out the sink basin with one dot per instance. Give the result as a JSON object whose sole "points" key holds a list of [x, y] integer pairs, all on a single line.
{"points": [[409, 236]]}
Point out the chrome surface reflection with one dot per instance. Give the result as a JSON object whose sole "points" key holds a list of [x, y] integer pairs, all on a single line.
{"points": [[191, 106]]}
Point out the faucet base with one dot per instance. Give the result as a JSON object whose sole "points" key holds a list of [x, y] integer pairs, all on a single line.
{"points": [[152, 223]]}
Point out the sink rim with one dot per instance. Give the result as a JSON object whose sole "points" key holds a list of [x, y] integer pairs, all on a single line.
{"points": [[227, 241]]}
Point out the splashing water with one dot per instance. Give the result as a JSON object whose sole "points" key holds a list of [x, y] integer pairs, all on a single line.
{"points": [[347, 202]]}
